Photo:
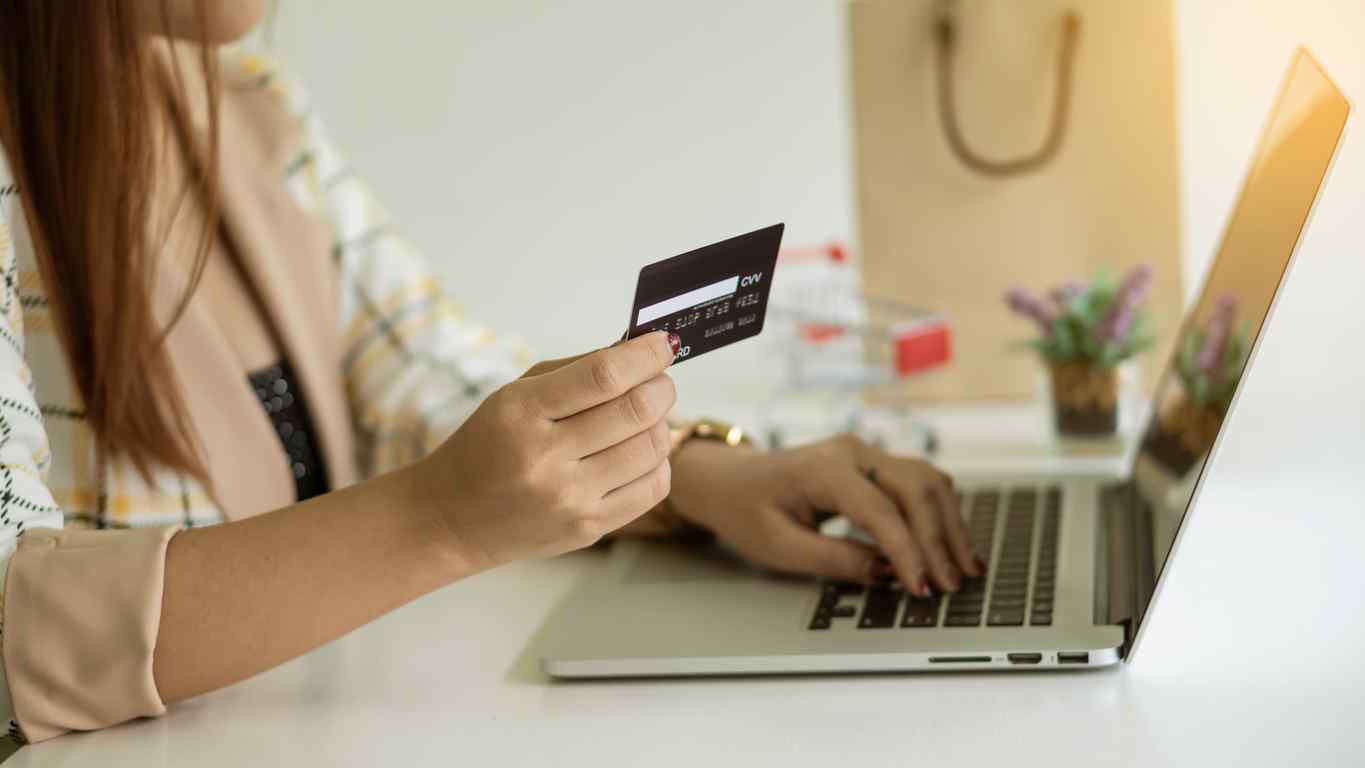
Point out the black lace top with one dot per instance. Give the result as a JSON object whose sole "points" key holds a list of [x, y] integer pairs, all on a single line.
{"points": [[277, 389]]}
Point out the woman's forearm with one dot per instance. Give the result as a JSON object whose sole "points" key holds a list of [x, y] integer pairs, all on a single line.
{"points": [[243, 597], [546, 464]]}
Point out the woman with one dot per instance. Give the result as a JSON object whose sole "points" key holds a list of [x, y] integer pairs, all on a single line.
{"points": [[206, 319]]}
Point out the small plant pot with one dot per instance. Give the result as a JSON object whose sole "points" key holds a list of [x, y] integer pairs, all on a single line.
{"points": [[1183, 434], [1085, 399]]}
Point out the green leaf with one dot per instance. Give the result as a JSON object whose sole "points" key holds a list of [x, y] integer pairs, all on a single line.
{"points": [[1063, 338]]}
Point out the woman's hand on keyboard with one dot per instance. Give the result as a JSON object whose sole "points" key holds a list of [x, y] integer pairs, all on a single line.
{"points": [[766, 506], [559, 458]]}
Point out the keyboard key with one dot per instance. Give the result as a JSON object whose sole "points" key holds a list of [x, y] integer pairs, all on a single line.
{"points": [[1006, 618], [920, 613], [828, 607], [1040, 619], [880, 608], [963, 621]]}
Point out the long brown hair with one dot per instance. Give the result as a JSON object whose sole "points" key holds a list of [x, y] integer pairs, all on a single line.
{"points": [[77, 87]]}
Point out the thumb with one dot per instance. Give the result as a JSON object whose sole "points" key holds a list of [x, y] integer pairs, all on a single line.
{"points": [[803, 550]]}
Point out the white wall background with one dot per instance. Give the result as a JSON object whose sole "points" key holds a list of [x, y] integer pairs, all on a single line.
{"points": [[542, 152]]}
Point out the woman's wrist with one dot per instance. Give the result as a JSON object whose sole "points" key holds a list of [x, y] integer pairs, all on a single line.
{"points": [[698, 466], [425, 496]]}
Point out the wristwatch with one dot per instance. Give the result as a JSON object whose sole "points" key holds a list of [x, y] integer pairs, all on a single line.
{"points": [[707, 429]]}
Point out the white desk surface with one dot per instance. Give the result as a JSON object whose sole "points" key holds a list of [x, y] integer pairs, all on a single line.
{"points": [[1253, 658]]}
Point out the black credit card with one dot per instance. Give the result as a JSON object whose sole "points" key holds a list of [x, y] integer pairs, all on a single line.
{"points": [[710, 297]]}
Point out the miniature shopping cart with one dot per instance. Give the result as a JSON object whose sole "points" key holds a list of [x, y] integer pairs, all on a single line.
{"points": [[845, 353]]}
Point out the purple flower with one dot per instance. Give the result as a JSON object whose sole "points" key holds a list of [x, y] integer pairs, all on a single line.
{"points": [[1118, 323], [1220, 325], [1029, 306], [1123, 311]]}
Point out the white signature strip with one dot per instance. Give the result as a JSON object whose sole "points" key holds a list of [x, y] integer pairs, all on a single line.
{"points": [[689, 299]]}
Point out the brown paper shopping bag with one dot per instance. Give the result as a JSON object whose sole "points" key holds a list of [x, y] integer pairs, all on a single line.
{"points": [[1096, 186]]}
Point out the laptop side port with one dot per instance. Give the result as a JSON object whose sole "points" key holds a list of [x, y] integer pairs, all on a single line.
{"points": [[959, 659], [1073, 657], [1024, 658]]}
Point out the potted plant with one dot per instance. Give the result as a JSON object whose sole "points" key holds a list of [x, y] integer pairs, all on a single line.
{"points": [[1085, 332], [1208, 365]]}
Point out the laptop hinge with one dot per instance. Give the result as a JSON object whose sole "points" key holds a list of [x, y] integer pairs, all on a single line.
{"points": [[1126, 580]]}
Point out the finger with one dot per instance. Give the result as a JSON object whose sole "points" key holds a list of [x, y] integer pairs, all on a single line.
{"points": [[621, 463], [637, 497], [802, 550], [926, 520], [850, 493], [910, 488], [959, 544], [614, 421], [601, 376]]}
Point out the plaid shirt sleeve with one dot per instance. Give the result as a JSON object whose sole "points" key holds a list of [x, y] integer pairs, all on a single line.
{"points": [[414, 367], [25, 499]]}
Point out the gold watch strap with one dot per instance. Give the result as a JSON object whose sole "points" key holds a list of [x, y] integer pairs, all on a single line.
{"points": [[708, 429]]}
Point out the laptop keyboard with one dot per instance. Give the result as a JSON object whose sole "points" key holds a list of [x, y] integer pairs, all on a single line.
{"points": [[1019, 529]]}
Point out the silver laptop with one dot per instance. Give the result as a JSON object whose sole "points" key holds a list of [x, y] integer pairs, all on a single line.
{"points": [[1074, 562]]}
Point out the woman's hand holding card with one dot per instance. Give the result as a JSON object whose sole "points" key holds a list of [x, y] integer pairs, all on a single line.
{"points": [[558, 458]]}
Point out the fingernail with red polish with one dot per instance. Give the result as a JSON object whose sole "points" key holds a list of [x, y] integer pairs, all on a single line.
{"points": [[675, 343], [922, 586]]}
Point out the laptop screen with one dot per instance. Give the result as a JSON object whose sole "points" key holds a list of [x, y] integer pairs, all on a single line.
{"points": [[1219, 331]]}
